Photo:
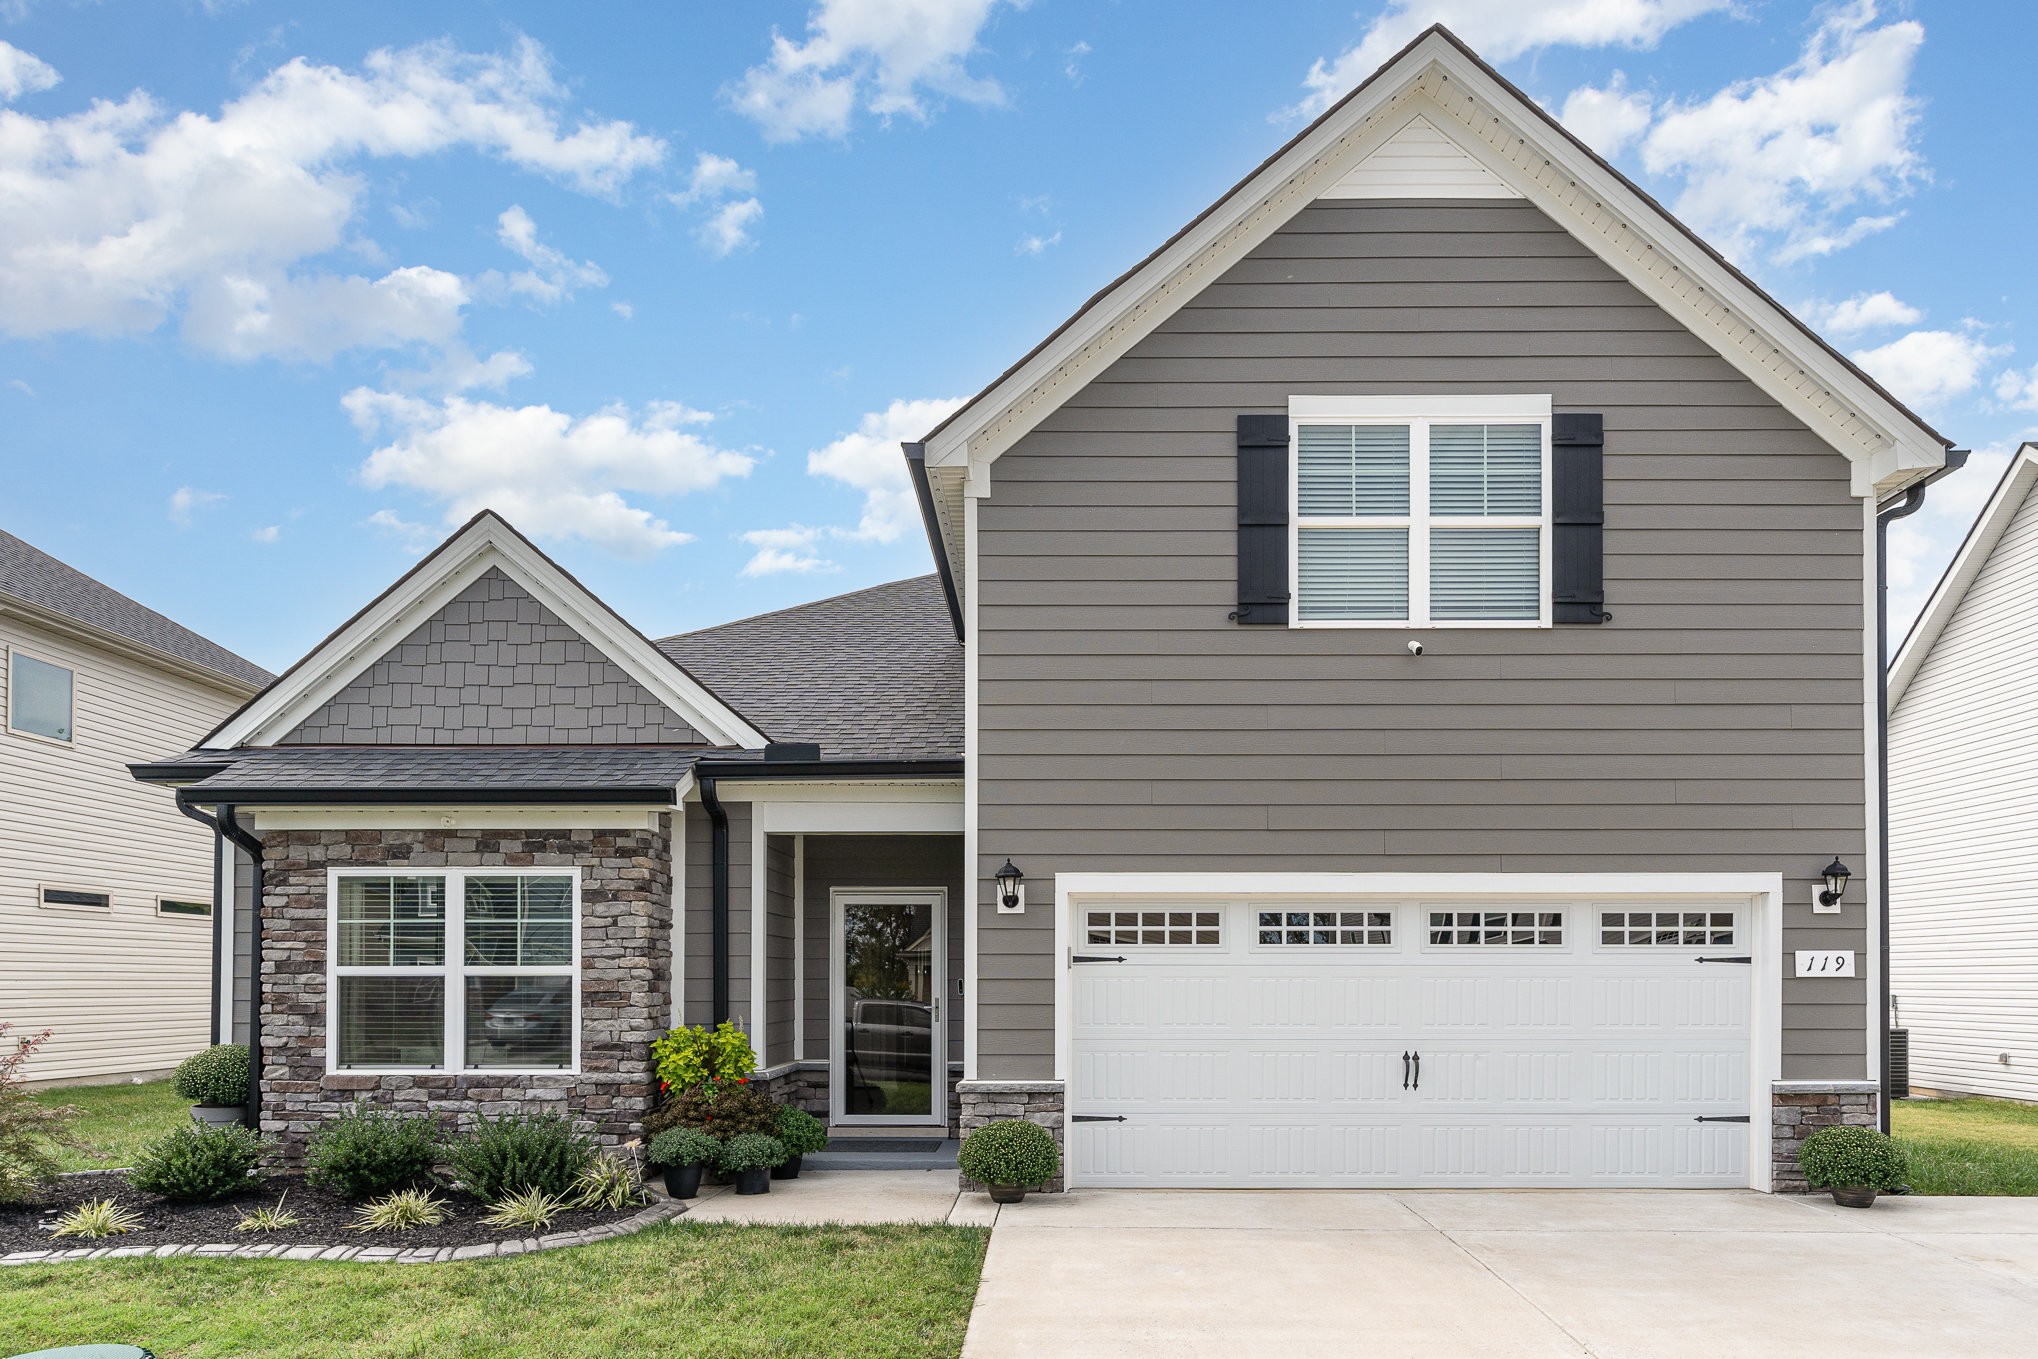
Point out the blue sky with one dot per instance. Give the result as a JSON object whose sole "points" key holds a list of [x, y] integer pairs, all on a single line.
{"points": [[286, 292]]}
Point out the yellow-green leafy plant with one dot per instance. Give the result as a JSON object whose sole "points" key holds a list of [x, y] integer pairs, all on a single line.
{"points": [[267, 1219], [687, 1057], [102, 1217], [399, 1212], [532, 1209], [608, 1182]]}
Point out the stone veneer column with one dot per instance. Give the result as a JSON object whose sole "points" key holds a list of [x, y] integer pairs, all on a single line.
{"points": [[984, 1102], [625, 981], [1800, 1108]]}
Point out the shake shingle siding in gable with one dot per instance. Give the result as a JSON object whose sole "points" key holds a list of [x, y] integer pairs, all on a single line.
{"points": [[1126, 725], [494, 667]]}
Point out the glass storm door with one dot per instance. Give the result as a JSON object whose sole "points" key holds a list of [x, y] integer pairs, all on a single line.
{"points": [[889, 958]]}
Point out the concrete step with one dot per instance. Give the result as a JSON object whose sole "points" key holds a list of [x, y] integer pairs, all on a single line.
{"points": [[896, 1154]]}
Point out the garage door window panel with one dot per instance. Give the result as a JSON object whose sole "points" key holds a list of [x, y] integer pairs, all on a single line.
{"points": [[1316, 927], [1167, 927], [1496, 929], [1666, 929]]}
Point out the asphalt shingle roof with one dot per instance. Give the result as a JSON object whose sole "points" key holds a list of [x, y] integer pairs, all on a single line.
{"points": [[874, 674], [535, 769], [36, 578]]}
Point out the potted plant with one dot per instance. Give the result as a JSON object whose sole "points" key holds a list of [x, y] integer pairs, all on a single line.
{"points": [[748, 1159], [1008, 1156], [215, 1080], [683, 1153], [801, 1133], [1855, 1163]]}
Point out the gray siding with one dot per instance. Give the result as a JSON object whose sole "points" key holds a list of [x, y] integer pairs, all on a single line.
{"points": [[877, 861], [494, 667], [700, 939], [243, 943], [1714, 725], [778, 955]]}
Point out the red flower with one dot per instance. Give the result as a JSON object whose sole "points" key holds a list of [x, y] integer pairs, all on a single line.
{"points": [[742, 1080]]}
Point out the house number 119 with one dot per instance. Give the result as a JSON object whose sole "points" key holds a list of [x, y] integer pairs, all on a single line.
{"points": [[1825, 963]]}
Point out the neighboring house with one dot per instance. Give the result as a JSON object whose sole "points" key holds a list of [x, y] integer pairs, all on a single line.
{"points": [[1413, 634], [1963, 792], [105, 891]]}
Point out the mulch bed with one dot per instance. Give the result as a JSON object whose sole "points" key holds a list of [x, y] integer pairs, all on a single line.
{"points": [[326, 1218]]}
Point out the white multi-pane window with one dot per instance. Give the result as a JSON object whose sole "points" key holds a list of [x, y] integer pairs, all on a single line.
{"points": [[1489, 929], [1153, 925], [1423, 512], [454, 970]]}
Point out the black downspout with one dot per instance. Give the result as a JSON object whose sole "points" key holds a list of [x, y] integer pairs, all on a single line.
{"points": [[1914, 500], [233, 831], [718, 894], [218, 911]]}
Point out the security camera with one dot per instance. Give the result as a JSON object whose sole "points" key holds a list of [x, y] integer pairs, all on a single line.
{"points": [[1415, 648]]}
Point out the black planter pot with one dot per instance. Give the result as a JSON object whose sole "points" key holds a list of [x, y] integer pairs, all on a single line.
{"points": [[1007, 1193], [756, 1181], [788, 1170], [1854, 1195], [683, 1182]]}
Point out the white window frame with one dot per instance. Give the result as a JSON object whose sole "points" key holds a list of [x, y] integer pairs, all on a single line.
{"points": [[193, 898], [452, 967], [71, 725], [43, 890], [1418, 413]]}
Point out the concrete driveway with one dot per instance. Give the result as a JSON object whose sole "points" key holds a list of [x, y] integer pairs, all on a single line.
{"points": [[1639, 1273]]}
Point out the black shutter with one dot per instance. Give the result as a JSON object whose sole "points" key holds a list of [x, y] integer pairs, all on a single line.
{"points": [[1578, 498], [1262, 519]]}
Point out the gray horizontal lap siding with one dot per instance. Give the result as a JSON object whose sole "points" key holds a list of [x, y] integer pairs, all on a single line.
{"points": [[1126, 725], [700, 940], [778, 974]]}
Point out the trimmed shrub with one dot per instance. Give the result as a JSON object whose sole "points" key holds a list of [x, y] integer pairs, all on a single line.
{"points": [[683, 1147], [192, 1164], [216, 1076], [800, 1131], [721, 1109], [30, 1131], [1846, 1157], [1010, 1151], [368, 1151], [751, 1151], [507, 1155], [697, 1055]]}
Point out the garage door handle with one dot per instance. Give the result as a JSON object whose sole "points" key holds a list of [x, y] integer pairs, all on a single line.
{"points": [[1721, 1118], [1404, 1071], [1093, 958], [1418, 1071], [1096, 1118], [1726, 960]]}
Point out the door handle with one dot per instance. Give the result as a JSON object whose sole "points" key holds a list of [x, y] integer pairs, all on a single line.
{"points": [[1404, 1071], [1418, 1071]]}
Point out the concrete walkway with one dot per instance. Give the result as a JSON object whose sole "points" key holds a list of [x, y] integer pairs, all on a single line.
{"points": [[1641, 1274], [848, 1196]]}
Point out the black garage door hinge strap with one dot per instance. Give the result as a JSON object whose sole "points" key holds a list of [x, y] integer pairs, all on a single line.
{"points": [[1726, 960], [1096, 1118], [1093, 958], [1721, 1118]]}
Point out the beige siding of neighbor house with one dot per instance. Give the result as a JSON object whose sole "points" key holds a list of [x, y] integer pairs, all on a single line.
{"points": [[125, 989], [1963, 779], [1716, 724]]}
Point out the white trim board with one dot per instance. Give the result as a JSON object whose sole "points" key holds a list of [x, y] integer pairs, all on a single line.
{"points": [[487, 541], [1989, 526], [1762, 891], [1440, 81]]}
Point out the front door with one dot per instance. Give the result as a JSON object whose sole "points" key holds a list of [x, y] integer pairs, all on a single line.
{"points": [[888, 960]]}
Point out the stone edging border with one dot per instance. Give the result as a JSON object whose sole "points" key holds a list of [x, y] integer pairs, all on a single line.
{"points": [[657, 1212]]}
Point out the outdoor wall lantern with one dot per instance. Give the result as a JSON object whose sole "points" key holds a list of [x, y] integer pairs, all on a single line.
{"points": [[1836, 876], [1011, 889]]}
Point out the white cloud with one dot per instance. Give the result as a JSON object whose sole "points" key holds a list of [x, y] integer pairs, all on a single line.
{"points": [[1500, 30], [415, 538], [623, 309], [1035, 245], [886, 56], [23, 73], [1926, 367], [714, 178], [1608, 120], [1862, 312], [790, 550], [553, 474], [1072, 66], [1790, 157], [186, 500], [18, 385], [267, 534], [552, 276], [728, 230], [127, 213], [2018, 389], [870, 460]]}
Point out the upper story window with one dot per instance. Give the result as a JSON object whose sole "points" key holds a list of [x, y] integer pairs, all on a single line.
{"points": [[38, 697], [1420, 511]]}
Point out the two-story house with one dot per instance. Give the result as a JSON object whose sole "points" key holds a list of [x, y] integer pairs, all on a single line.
{"points": [[1400, 665]]}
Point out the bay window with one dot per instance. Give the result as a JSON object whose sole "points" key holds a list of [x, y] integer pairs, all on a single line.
{"points": [[1420, 511], [454, 970]]}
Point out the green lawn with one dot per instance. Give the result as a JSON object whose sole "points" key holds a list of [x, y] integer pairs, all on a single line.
{"points": [[707, 1289], [116, 1120], [1968, 1146]]}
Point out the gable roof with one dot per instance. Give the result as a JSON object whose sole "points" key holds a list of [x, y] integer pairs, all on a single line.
{"points": [[485, 542], [872, 674], [48, 588], [1982, 536], [395, 774], [1440, 81]]}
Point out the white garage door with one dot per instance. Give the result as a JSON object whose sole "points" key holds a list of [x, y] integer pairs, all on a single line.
{"points": [[1351, 1043]]}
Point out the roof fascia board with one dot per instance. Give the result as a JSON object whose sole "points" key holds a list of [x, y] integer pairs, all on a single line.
{"points": [[68, 626], [1886, 445], [1966, 567], [487, 542]]}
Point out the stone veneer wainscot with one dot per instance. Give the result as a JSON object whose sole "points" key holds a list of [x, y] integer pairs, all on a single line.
{"points": [[1039, 1102], [1800, 1108], [625, 977]]}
